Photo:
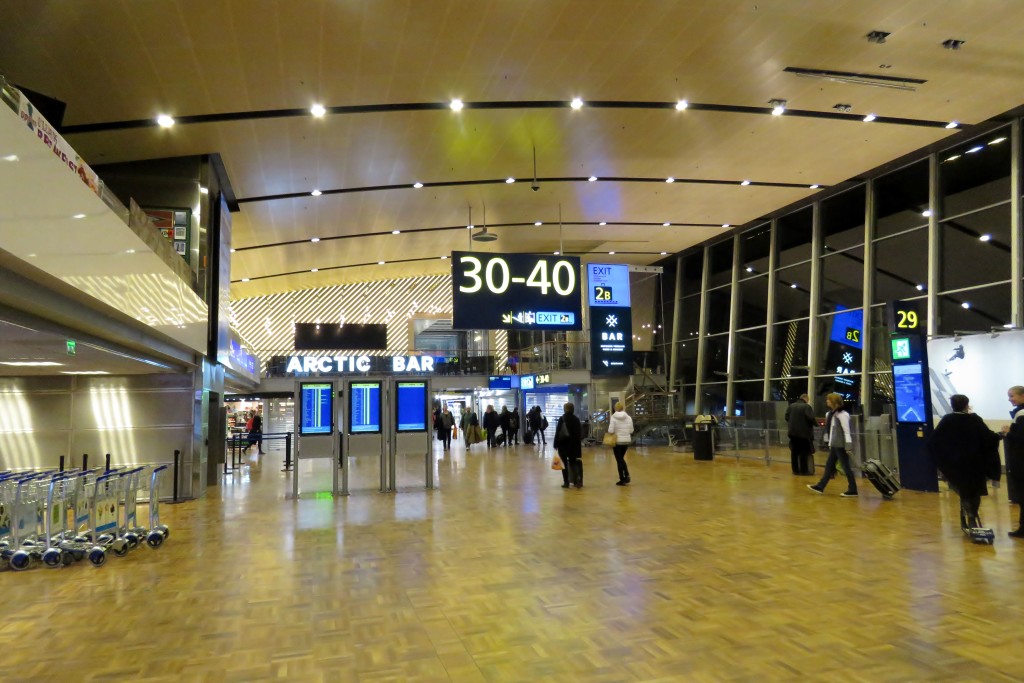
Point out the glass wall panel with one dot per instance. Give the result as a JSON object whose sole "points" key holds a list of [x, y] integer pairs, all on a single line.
{"points": [[793, 292], [690, 326], [975, 174], [977, 310], [794, 240], [976, 248], [720, 264], [713, 399], [688, 360], [693, 266], [689, 392], [847, 386], [755, 248], [789, 355], [753, 303], [882, 394], [901, 198], [788, 389], [716, 358], [901, 266], [842, 220], [746, 391], [842, 280], [718, 309], [748, 363], [881, 349]]}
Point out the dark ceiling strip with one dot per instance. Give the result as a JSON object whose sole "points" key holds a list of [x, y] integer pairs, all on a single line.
{"points": [[387, 233], [853, 74], [490, 105], [502, 181]]}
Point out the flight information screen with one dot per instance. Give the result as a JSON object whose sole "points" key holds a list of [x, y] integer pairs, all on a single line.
{"points": [[317, 408], [910, 397], [411, 407], [364, 408]]}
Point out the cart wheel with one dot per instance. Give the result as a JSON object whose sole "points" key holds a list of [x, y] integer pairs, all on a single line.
{"points": [[164, 529], [120, 547], [132, 539], [78, 555], [19, 560], [97, 556], [52, 557], [155, 539], [66, 559]]}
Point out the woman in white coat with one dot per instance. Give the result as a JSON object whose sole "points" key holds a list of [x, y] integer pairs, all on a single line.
{"points": [[621, 425]]}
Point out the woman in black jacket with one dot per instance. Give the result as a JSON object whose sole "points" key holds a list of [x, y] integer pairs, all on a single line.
{"points": [[569, 444]]}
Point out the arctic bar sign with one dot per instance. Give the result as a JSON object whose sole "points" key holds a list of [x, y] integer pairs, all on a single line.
{"points": [[339, 364]]}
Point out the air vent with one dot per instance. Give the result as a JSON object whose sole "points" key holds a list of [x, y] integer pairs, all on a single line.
{"points": [[853, 78]]}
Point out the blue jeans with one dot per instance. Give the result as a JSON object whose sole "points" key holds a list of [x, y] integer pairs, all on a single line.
{"points": [[830, 469]]}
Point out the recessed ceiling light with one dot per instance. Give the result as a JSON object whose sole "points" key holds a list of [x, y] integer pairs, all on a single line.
{"points": [[778, 107], [538, 223], [952, 124], [233, 250], [456, 105], [927, 213], [920, 288], [444, 258], [10, 157], [380, 263], [470, 226], [985, 238], [750, 269], [611, 253], [966, 304], [681, 105], [556, 253], [974, 149], [953, 158], [592, 179], [603, 223], [30, 363], [576, 103], [417, 185], [316, 193], [79, 215], [84, 372], [726, 225], [665, 225], [793, 286], [32, 255], [314, 270], [510, 180], [994, 142], [314, 239], [165, 121], [664, 253], [204, 190], [869, 118], [317, 110], [245, 279], [815, 186], [396, 232], [670, 179]]}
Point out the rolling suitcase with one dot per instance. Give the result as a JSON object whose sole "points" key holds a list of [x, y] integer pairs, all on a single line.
{"points": [[882, 477], [973, 529], [528, 437]]}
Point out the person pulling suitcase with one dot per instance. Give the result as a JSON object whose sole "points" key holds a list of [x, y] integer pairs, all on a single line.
{"points": [[840, 446]]}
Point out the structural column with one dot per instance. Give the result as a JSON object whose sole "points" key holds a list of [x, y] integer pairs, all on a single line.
{"points": [[812, 322], [1016, 247], [866, 335], [934, 247], [769, 330], [677, 323], [734, 308], [702, 326]]}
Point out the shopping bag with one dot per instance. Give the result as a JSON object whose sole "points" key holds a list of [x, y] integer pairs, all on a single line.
{"points": [[455, 432], [610, 439], [556, 463]]}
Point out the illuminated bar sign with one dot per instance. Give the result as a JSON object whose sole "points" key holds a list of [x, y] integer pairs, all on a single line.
{"points": [[339, 364]]}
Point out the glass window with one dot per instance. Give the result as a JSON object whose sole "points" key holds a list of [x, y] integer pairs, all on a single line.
{"points": [[976, 310], [748, 362], [847, 386], [975, 174], [689, 393], [842, 220], [744, 392], [794, 240], [718, 310], [793, 292], [881, 350], [716, 358], [901, 198], [688, 360], [840, 342], [976, 248], [713, 399], [693, 266], [882, 394], [690, 326], [789, 355], [753, 303], [842, 279], [755, 247], [788, 389], [901, 266], [720, 264]]}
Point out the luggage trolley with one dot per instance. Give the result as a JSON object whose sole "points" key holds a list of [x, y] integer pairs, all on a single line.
{"points": [[157, 532], [24, 501]]}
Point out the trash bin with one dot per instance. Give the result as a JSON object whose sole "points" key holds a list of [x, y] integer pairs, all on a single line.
{"points": [[704, 437]]}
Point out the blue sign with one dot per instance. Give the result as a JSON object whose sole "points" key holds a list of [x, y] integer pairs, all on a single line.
{"points": [[847, 327], [316, 409], [499, 382], [608, 284], [526, 382], [909, 383], [555, 318], [364, 408], [411, 407]]}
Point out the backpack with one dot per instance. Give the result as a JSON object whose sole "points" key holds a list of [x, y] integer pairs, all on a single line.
{"points": [[248, 425], [513, 423], [543, 422]]}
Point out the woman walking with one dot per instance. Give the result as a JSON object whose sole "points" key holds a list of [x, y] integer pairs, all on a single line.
{"points": [[621, 425], [840, 446], [568, 443]]}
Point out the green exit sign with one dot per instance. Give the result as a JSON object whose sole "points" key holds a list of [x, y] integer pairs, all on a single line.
{"points": [[72, 347], [901, 349]]}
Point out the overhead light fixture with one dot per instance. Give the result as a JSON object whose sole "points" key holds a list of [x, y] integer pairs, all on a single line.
{"points": [[843, 108], [484, 236], [204, 190], [815, 186], [953, 44], [380, 263], [233, 250], [997, 141], [966, 304], [670, 179], [456, 105], [665, 225], [316, 193], [556, 253], [510, 180], [611, 253], [985, 238], [726, 225], [745, 182], [952, 124], [417, 185], [778, 107], [953, 158], [10, 157], [664, 253], [317, 110], [576, 103], [750, 269], [976, 148], [314, 239], [396, 232], [920, 288], [869, 118], [470, 226], [245, 279], [681, 105], [84, 372], [592, 179], [30, 363], [877, 37], [165, 120], [603, 223], [444, 258], [538, 223], [793, 286], [79, 216], [129, 251], [314, 270]]}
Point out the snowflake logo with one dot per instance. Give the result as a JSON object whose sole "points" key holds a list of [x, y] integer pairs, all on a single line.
{"points": [[611, 321], [848, 358]]}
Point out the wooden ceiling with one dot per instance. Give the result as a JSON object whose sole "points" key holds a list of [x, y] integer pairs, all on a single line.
{"points": [[118, 61]]}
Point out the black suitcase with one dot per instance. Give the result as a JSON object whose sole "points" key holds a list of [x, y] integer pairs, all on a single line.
{"points": [[882, 477], [528, 437]]}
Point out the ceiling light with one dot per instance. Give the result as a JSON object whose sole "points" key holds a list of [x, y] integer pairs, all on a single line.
{"points": [[314, 239], [966, 304], [317, 110], [314, 270], [843, 108], [84, 372], [417, 185], [681, 105], [953, 44], [32, 255], [665, 225], [670, 179], [664, 253], [380, 263], [920, 288], [869, 118], [510, 180], [778, 107], [576, 103], [745, 182], [815, 186], [233, 250], [611, 253], [927, 213], [245, 279], [592, 179], [538, 223], [316, 193], [204, 190], [726, 225], [953, 158], [994, 142], [952, 124], [974, 149], [470, 226], [556, 253], [10, 157], [164, 121], [444, 258], [750, 269], [603, 223], [30, 363], [396, 232], [456, 105], [79, 215], [985, 238], [129, 251], [793, 286], [877, 37]]}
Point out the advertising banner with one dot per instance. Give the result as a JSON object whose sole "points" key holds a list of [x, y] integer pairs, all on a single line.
{"points": [[58, 145], [980, 366]]}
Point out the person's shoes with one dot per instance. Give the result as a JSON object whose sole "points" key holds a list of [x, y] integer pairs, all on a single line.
{"points": [[627, 479], [565, 486], [579, 486], [1019, 533], [816, 489], [621, 482], [848, 494]]}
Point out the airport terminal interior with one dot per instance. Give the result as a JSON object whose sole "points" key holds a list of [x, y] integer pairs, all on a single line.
{"points": [[321, 322]]}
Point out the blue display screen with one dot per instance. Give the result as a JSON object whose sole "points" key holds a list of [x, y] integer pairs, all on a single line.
{"points": [[526, 382], [499, 382], [411, 407], [607, 284], [317, 408], [910, 406], [847, 327], [364, 408]]}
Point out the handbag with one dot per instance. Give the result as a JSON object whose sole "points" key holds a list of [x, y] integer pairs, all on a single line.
{"points": [[610, 439], [556, 463], [563, 431]]}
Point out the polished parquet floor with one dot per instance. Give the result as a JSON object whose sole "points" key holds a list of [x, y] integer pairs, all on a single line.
{"points": [[723, 571]]}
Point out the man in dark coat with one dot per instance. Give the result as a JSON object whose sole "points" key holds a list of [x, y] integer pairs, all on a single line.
{"points": [[966, 451], [569, 444], [1013, 447], [800, 422], [505, 420], [490, 425]]}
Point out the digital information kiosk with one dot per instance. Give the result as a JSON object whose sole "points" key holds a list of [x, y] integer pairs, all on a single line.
{"points": [[364, 426], [315, 428], [413, 427], [912, 391]]}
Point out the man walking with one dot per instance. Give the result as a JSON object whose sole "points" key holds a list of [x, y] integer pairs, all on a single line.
{"points": [[800, 421], [1013, 440]]}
